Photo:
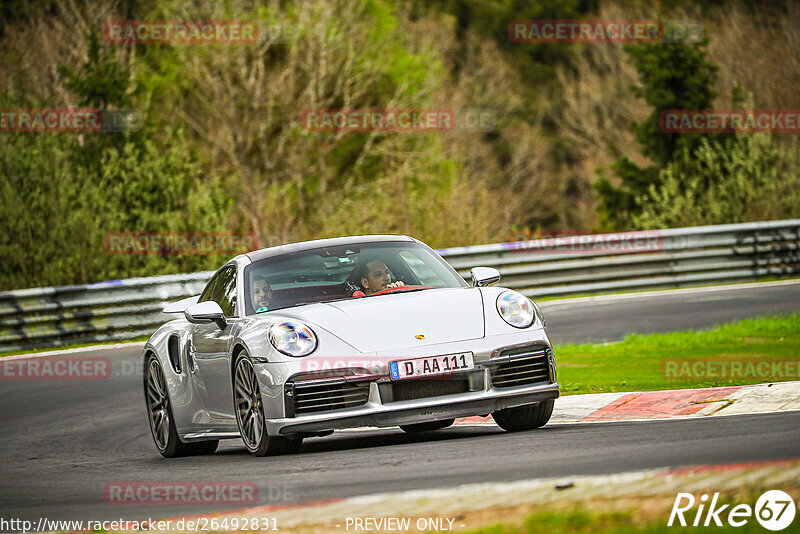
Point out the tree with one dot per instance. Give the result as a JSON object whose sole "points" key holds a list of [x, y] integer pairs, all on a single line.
{"points": [[673, 76], [63, 192], [740, 178]]}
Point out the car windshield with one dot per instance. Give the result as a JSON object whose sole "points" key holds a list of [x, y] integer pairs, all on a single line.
{"points": [[334, 273]]}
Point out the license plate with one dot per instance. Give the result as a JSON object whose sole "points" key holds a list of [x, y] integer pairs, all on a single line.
{"points": [[431, 366]]}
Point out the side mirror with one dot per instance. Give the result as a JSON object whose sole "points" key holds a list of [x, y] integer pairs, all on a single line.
{"points": [[484, 276], [181, 305], [205, 312]]}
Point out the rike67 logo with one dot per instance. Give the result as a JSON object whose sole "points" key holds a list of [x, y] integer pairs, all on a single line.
{"points": [[774, 510]]}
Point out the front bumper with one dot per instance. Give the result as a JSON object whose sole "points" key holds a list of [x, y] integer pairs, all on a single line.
{"points": [[381, 409], [414, 411]]}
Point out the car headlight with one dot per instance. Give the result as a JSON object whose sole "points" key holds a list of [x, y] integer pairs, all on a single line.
{"points": [[292, 338], [515, 309]]}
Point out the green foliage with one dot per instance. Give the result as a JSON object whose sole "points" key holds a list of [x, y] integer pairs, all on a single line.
{"points": [[62, 193], [58, 207], [672, 76], [747, 177], [222, 148], [14, 11], [606, 516], [638, 362], [536, 62], [101, 81]]}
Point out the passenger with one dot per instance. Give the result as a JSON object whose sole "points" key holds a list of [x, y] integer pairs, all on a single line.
{"points": [[262, 293], [373, 276]]}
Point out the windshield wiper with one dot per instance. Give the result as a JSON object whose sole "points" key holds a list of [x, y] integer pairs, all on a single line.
{"points": [[403, 290]]}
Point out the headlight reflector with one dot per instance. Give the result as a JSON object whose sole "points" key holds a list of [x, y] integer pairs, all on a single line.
{"points": [[292, 338], [515, 309]]}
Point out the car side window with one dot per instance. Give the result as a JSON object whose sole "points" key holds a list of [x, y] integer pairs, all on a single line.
{"points": [[226, 290], [222, 290], [421, 270]]}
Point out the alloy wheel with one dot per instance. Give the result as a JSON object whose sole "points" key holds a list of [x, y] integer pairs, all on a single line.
{"points": [[248, 404], [158, 404]]}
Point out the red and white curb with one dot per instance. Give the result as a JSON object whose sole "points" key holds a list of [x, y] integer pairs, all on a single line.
{"points": [[669, 404]]}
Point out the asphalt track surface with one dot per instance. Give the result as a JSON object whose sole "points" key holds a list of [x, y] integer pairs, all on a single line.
{"points": [[62, 441]]}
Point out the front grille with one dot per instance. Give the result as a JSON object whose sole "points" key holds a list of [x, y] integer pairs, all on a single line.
{"points": [[303, 398], [521, 366], [421, 389]]}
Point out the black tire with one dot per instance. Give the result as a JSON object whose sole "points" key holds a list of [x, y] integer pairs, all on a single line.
{"points": [[427, 427], [159, 414], [250, 414], [525, 417], [205, 447]]}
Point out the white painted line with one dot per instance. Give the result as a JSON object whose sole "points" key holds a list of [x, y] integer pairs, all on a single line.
{"points": [[668, 292], [561, 423], [676, 418], [115, 346]]}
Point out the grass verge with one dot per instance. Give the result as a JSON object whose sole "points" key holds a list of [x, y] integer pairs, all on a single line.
{"points": [[585, 520], [766, 349]]}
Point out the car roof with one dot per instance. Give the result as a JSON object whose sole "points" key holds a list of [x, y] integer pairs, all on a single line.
{"points": [[330, 242]]}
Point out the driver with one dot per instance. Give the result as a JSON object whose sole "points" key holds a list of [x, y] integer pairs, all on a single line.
{"points": [[262, 293], [374, 277]]}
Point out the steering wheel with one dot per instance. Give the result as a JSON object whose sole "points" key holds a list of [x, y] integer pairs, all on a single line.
{"points": [[400, 288]]}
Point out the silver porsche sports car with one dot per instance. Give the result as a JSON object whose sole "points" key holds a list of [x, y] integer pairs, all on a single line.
{"points": [[299, 340]]}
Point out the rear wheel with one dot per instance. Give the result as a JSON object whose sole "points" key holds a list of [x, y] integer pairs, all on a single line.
{"points": [[426, 427], [525, 417], [250, 414], [162, 424]]}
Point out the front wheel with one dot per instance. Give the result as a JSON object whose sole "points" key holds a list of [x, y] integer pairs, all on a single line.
{"points": [[162, 425], [525, 417], [250, 414], [426, 427]]}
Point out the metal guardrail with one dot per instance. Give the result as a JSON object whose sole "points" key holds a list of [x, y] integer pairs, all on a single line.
{"points": [[567, 265], [605, 263], [106, 311]]}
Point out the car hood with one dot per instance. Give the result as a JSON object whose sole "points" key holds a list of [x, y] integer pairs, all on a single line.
{"points": [[393, 321]]}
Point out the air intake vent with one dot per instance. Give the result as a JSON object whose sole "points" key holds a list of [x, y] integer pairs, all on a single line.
{"points": [[422, 389], [521, 366], [174, 351], [324, 396]]}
